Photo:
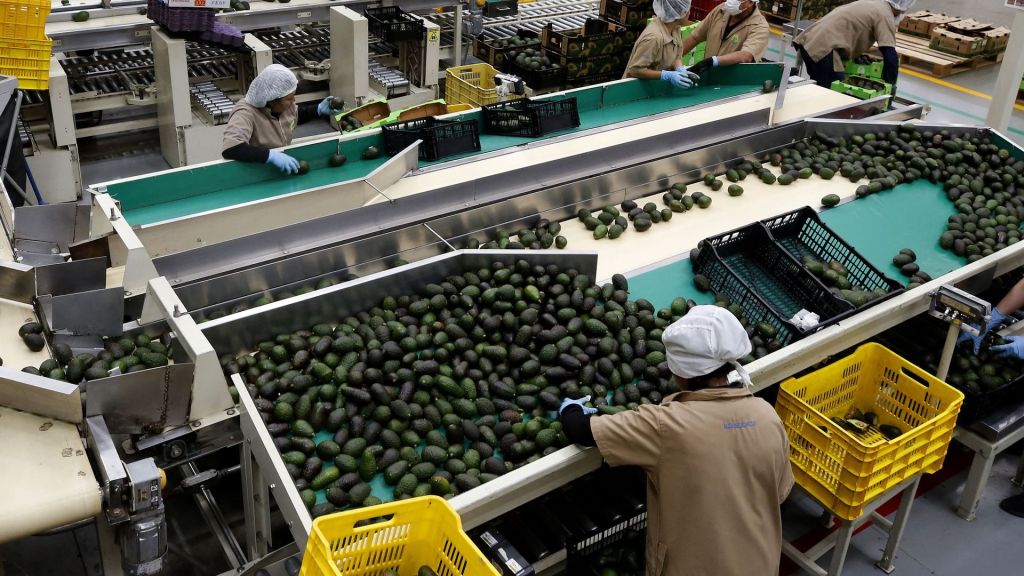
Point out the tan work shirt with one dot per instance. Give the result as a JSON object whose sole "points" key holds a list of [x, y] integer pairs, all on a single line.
{"points": [[717, 463], [750, 35], [657, 48], [850, 31], [258, 127]]}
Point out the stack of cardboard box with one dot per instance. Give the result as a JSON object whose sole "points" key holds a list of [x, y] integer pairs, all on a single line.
{"points": [[960, 36]]}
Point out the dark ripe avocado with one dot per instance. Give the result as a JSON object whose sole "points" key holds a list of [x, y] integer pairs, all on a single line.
{"points": [[80, 16], [34, 342], [705, 201], [901, 260], [715, 186], [785, 180], [337, 160], [30, 328], [768, 87], [909, 269], [337, 103], [303, 167], [909, 252], [702, 283], [830, 200], [371, 153]]}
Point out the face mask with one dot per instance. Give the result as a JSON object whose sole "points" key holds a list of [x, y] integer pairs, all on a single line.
{"points": [[731, 7]]}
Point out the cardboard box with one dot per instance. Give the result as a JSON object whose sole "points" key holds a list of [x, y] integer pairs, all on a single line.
{"points": [[782, 9], [951, 42], [924, 22], [996, 39], [968, 27]]}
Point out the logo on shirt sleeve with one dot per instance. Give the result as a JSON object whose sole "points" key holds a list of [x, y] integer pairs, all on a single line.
{"points": [[739, 425]]}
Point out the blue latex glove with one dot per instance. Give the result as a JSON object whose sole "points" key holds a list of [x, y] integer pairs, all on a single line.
{"points": [[283, 162], [1013, 349], [579, 402], [324, 107], [996, 319], [680, 80]]}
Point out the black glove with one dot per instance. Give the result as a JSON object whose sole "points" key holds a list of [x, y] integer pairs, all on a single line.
{"points": [[701, 67]]}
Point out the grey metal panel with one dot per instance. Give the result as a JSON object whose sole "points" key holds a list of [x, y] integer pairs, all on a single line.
{"points": [[142, 401], [353, 257], [99, 312], [71, 277], [394, 169], [17, 282], [49, 223], [239, 332], [39, 395]]}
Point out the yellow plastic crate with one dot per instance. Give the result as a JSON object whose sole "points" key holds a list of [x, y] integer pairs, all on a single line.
{"points": [[422, 531], [472, 84], [845, 470], [23, 19], [28, 61]]}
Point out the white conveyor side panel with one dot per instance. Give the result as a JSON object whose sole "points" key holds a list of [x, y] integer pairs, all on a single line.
{"points": [[811, 100], [13, 351], [47, 481], [635, 250]]}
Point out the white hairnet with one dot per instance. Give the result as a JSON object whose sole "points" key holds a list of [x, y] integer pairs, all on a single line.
{"points": [[901, 5], [274, 82], [671, 10], [705, 339]]}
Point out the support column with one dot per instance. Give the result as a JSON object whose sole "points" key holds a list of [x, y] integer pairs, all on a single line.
{"points": [[350, 76], [1010, 72]]}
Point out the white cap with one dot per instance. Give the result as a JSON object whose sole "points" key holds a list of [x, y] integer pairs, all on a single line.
{"points": [[275, 81], [703, 341], [901, 5], [671, 10]]}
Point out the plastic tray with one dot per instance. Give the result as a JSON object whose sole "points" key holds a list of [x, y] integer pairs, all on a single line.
{"points": [[408, 27], [752, 257], [441, 138], [801, 232], [401, 536], [539, 79], [471, 84], [484, 50], [28, 61], [530, 118], [604, 64], [23, 19], [846, 471]]}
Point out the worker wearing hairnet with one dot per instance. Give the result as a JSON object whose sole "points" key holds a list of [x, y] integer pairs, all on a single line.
{"points": [[849, 31], [716, 457], [735, 32], [657, 51], [266, 119]]}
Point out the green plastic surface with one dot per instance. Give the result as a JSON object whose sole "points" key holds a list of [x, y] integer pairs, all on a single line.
{"points": [[182, 193], [909, 216]]}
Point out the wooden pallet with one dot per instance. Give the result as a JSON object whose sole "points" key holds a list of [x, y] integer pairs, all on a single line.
{"points": [[915, 53]]}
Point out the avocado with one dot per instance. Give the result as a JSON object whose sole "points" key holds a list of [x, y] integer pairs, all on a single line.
{"points": [[371, 153], [34, 341], [735, 190], [303, 167], [830, 200], [337, 160], [80, 16], [702, 283], [768, 87]]}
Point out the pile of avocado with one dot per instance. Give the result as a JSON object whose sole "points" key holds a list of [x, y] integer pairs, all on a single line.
{"points": [[980, 178], [609, 222], [532, 59], [836, 276], [864, 422], [906, 261], [267, 298], [446, 389], [514, 42], [125, 354], [623, 557], [542, 235], [983, 372]]}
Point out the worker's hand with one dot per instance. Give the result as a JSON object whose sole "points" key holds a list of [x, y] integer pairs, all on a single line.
{"points": [[680, 80], [324, 107], [704, 65], [1012, 349], [579, 402], [996, 319], [283, 162]]}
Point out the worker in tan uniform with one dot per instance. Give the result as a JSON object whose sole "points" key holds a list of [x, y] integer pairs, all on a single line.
{"points": [[266, 119], [849, 31], [716, 457], [736, 33], [657, 51]]}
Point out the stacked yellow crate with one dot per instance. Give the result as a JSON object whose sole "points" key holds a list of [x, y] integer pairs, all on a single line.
{"points": [[24, 47]]}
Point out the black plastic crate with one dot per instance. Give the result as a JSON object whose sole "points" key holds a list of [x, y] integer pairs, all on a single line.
{"points": [[392, 24], [538, 79], [583, 554], [762, 267], [530, 118], [441, 138], [802, 233]]}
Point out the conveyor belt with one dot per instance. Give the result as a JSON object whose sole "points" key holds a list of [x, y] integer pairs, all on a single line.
{"points": [[182, 193]]}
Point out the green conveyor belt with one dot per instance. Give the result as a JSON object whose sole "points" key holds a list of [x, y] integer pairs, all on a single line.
{"points": [[909, 216], [181, 193]]}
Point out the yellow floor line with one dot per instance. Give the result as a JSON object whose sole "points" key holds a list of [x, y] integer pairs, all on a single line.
{"points": [[951, 86]]}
